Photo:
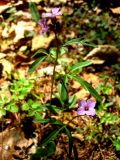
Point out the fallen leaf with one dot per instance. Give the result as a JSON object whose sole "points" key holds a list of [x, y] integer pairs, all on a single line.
{"points": [[41, 41]]}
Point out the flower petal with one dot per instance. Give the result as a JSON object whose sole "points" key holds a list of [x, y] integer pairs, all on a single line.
{"points": [[40, 22], [55, 10], [82, 103], [44, 30], [47, 15], [91, 112], [81, 112], [58, 14], [91, 103]]}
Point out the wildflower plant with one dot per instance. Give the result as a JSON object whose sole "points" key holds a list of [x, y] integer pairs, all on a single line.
{"points": [[70, 72]]}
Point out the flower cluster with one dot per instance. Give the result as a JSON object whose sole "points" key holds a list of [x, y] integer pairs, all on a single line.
{"points": [[43, 22], [86, 107]]}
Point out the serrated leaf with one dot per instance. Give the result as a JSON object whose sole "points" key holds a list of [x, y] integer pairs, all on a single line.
{"points": [[35, 64], [87, 86], [80, 65], [34, 12]]}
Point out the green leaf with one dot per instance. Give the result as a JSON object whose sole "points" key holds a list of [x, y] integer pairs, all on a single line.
{"points": [[39, 52], [25, 107], [35, 64], [87, 86], [73, 41], [50, 148], [53, 108], [63, 50], [72, 101], [70, 140], [78, 41], [36, 105], [63, 89], [44, 151], [12, 107], [34, 12], [53, 52], [2, 112], [80, 66], [52, 136], [47, 120], [117, 144], [88, 44]]}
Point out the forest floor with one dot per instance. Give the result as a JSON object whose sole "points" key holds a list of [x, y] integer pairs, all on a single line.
{"points": [[20, 39]]}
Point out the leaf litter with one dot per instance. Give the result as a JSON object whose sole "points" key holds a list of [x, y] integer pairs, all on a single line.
{"points": [[15, 142]]}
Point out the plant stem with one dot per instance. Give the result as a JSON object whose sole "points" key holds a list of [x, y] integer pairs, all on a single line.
{"points": [[54, 68]]}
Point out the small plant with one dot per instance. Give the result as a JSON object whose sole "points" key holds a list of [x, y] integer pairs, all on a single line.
{"points": [[19, 91], [66, 102]]}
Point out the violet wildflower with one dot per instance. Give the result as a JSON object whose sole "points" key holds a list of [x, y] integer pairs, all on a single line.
{"points": [[55, 12], [44, 25], [86, 107]]}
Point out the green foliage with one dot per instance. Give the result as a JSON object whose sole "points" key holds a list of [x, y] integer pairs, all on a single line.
{"points": [[104, 88], [11, 13], [12, 107], [63, 90], [39, 52], [87, 86], [44, 151], [78, 41], [35, 64], [116, 143], [20, 88], [34, 109], [79, 66], [109, 118], [34, 12], [19, 91], [68, 132]]}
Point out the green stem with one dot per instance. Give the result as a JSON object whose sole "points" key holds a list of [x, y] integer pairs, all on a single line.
{"points": [[54, 68]]}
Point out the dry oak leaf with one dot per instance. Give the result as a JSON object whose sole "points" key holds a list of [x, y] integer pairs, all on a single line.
{"points": [[20, 29], [41, 41], [115, 10], [103, 53]]}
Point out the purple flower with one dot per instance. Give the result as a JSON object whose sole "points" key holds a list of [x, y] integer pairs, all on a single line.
{"points": [[87, 107], [44, 25], [55, 12]]}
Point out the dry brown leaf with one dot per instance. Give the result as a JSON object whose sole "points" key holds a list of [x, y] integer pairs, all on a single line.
{"points": [[20, 29], [41, 41], [103, 53], [82, 94], [7, 67], [115, 10], [2, 55]]}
